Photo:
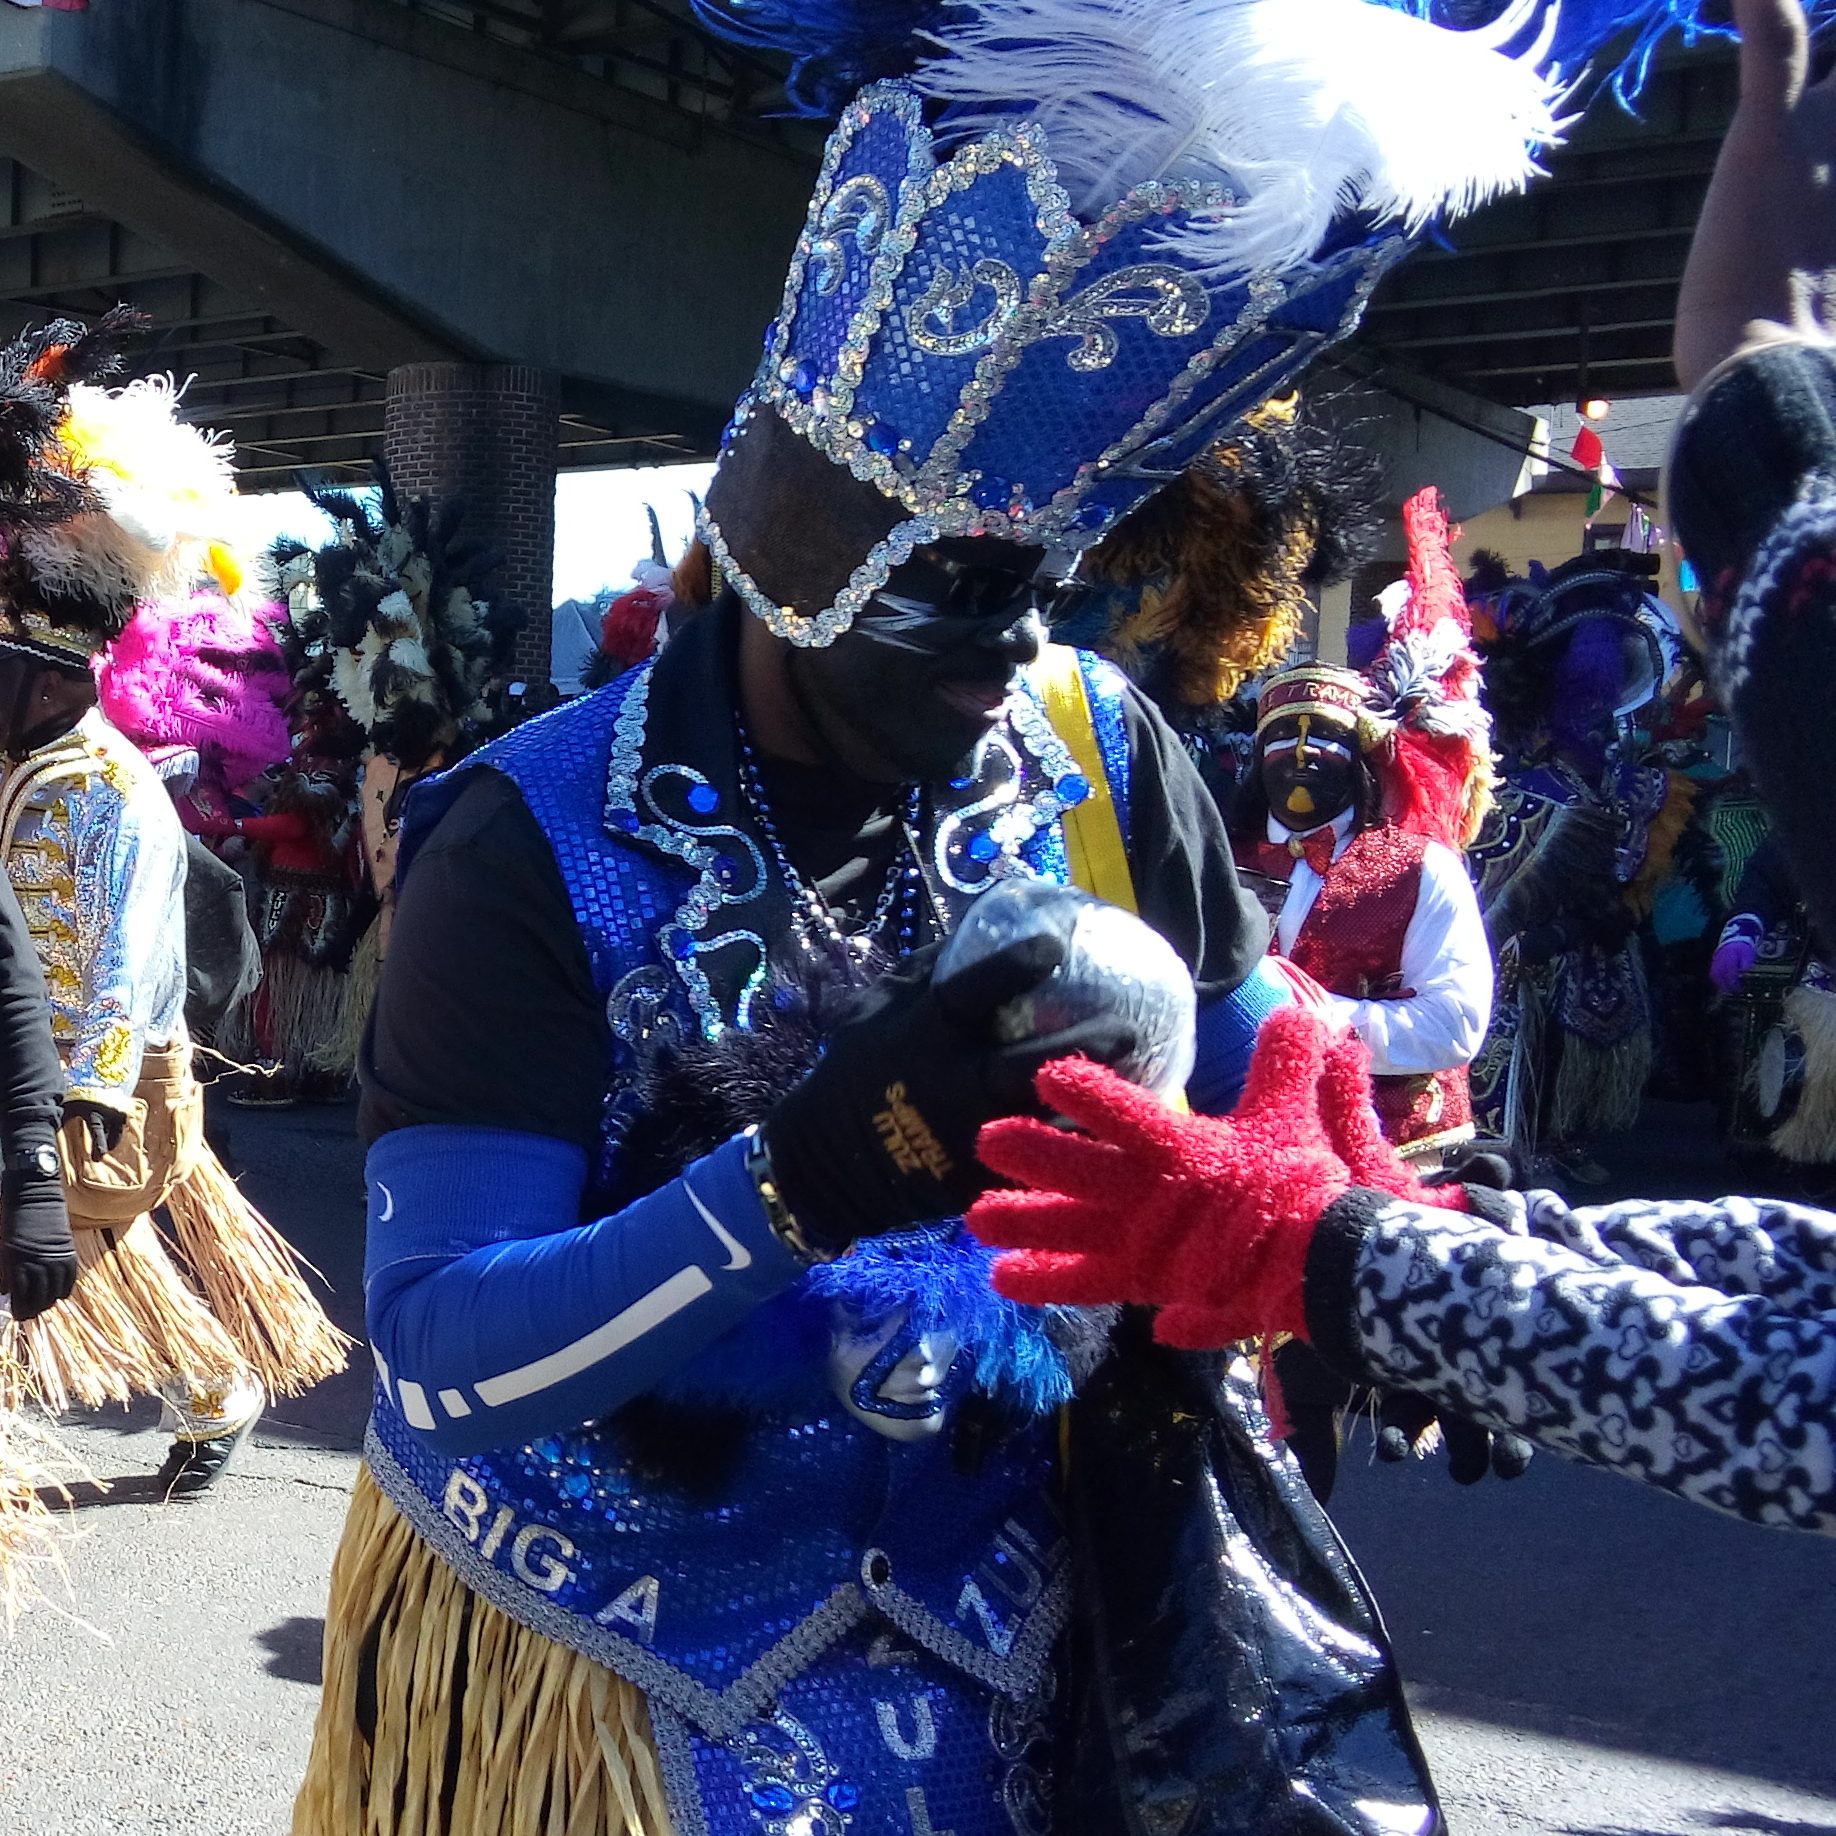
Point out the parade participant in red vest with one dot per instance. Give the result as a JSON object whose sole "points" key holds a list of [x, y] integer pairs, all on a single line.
{"points": [[1374, 783]]}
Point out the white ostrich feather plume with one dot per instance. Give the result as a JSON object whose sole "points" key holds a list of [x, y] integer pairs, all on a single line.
{"points": [[395, 614], [1300, 108], [409, 654], [351, 678], [464, 616], [168, 493], [1410, 677]]}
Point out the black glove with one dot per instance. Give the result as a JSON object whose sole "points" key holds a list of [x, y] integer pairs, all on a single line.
{"points": [[1488, 1173], [1404, 1416], [1493, 1167], [881, 1134], [1314, 1398], [102, 1126], [40, 1253]]}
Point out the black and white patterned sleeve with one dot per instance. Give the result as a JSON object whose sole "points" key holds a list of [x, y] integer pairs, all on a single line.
{"points": [[1692, 1346], [1786, 1253]]}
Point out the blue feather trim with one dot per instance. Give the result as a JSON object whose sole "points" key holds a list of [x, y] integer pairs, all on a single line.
{"points": [[777, 1356], [1585, 29], [836, 47]]}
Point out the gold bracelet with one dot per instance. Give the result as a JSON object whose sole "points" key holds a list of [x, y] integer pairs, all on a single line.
{"points": [[778, 1215]]}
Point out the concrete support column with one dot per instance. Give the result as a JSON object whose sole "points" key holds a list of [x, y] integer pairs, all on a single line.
{"points": [[489, 433], [1334, 615]]}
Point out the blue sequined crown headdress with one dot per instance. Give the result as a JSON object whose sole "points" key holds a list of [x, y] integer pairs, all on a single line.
{"points": [[1071, 241]]}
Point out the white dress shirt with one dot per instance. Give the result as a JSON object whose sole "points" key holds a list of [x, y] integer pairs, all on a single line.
{"points": [[1445, 960]]}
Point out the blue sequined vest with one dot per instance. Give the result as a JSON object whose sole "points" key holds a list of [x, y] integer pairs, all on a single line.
{"points": [[854, 1633]]}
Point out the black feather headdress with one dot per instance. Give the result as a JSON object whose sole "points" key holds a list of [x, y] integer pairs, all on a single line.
{"points": [[1207, 585], [396, 601]]}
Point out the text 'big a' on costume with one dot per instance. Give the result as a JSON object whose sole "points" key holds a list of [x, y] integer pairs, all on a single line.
{"points": [[109, 502]]}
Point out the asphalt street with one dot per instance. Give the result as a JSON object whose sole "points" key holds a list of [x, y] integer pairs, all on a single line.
{"points": [[1587, 1657]]}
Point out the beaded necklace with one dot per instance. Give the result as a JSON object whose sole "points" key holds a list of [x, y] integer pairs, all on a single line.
{"points": [[900, 899]]}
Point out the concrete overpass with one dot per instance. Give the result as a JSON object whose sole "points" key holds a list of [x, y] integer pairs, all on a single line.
{"points": [[490, 236], [308, 193], [362, 227]]}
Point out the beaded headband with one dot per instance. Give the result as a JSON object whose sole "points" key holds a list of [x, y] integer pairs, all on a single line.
{"points": [[1339, 696]]}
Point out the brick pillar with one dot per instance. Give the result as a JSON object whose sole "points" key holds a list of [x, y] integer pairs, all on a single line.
{"points": [[489, 433]]}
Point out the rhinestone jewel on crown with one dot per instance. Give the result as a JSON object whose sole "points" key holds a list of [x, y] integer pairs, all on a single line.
{"points": [[951, 334]]}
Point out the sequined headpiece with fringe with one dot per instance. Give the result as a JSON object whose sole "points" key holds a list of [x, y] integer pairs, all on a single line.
{"points": [[1337, 697], [1062, 245], [107, 499]]}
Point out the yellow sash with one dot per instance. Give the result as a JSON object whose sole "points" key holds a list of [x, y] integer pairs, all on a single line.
{"points": [[1093, 834]]}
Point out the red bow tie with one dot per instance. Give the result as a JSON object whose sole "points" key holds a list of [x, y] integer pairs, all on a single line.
{"points": [[1315, 849]]}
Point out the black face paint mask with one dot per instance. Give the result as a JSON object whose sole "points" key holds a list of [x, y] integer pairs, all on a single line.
{"points": [[1309, 771], [24, 735], [906, 694], [912, 625]]}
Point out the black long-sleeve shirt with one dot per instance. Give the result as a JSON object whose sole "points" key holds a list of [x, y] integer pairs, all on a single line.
{"points": [[488, 1015], [31, 1078]]}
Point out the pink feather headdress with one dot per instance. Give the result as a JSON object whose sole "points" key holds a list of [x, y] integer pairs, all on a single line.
{"points": [[202, 672]]}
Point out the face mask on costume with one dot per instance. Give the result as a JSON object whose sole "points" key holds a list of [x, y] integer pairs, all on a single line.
{"points": [[32, 711], [892, 1379], [906, 694], [1309, 771]]}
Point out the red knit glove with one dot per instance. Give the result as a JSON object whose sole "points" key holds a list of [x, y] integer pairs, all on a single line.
{"points": [[1206, 1218], [1357, 1138]]}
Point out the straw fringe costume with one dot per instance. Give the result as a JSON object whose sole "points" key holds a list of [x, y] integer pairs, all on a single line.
{"points": [[315, 920], [96, 853], [625, 1560]]}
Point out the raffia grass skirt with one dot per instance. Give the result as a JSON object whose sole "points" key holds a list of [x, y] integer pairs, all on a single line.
{"points": [[137, 1318], [132, 1324], [35, 1469], [1808, 1135], [254, 1281], [442, 1716]]}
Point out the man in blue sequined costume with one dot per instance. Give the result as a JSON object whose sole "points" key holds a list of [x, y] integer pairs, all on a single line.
{"points": [[626, 867], [631, 1553]]}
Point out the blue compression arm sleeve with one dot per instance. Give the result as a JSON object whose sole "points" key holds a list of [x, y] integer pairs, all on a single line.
{"points": [[496, 1317], [1227, 1030]]}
